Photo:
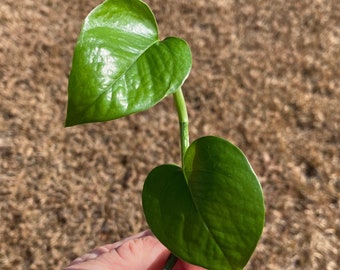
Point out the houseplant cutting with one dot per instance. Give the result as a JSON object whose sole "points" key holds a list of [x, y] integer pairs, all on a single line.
{"points": [[208, 211]]}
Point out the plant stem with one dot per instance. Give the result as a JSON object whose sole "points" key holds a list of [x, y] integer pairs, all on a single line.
{"points": [[183, 121], [170, 263], [184, 134]]}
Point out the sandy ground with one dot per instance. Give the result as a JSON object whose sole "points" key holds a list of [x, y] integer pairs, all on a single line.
{"points": [[265, 76]]}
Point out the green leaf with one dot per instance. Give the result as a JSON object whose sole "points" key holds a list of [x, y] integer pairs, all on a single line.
{"points": [[211, 213], [120, 66]]}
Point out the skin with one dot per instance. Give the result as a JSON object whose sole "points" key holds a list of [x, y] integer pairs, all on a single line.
{"points": [[139, 252]]}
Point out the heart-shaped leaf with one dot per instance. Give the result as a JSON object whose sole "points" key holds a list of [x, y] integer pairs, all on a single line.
{"points": [[211, 213], [119, 65]]}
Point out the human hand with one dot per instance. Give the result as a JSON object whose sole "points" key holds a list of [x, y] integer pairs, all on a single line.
{"points": [[139, 252]]}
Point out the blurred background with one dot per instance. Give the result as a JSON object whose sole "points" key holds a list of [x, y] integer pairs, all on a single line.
{"points": [[266, 76]]}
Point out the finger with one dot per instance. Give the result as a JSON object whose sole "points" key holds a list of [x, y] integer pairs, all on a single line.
{"points": [[107, 248], [139, 252], [182, 265]]}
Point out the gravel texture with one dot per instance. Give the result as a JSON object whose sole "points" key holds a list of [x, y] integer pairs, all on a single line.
{"points": [[266, 76]]}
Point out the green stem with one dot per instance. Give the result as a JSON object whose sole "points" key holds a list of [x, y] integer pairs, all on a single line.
{"points": [[183, 121], [184, 134], [170, 263]]}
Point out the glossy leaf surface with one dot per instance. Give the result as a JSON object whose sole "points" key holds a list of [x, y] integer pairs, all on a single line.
{"points": [[211, 213], [120, 66]]}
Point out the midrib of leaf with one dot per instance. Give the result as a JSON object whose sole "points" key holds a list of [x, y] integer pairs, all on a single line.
{"points": [[110, 86], [203, 220]]}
